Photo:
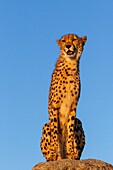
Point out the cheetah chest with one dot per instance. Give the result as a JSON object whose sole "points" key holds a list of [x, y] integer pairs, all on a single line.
{"points": [[70, 98]]}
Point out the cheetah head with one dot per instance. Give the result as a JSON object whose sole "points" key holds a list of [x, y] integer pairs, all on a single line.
{"points": [[71, 46]]}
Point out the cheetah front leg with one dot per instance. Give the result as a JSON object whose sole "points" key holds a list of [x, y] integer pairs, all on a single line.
{"points": [[70, 127], [54, 141]]}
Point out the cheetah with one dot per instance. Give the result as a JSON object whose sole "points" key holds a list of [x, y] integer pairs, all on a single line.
{"points": [[79, 140], [64, 95]]}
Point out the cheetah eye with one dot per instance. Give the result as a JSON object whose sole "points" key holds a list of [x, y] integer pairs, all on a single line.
{"points": [[63, 41], [74, 39]]}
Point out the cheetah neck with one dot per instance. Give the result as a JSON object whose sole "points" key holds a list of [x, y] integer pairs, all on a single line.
{"points": [[69, 63]]}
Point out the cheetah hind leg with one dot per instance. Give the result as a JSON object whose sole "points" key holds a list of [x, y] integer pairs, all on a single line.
{"points": [[79, 139], [45, 141]]}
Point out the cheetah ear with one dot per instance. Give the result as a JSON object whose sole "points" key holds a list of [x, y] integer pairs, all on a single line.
{"points": [[84, 39], [58, 42]]}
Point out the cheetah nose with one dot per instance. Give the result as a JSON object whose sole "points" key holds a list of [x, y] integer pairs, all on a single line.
{"points": [[68, 46]]}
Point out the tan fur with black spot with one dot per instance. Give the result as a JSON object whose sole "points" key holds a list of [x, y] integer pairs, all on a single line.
{"points": [[79, 141], [64, 95]]}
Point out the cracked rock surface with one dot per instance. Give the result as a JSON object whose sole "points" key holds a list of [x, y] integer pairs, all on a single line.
{"points": [[69, 164]]}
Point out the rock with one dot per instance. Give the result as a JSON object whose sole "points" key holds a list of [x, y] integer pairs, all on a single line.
{"points": [[69, 164]]}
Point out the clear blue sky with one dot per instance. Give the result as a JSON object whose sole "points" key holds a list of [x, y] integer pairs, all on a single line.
{"points": [[28, 52]]}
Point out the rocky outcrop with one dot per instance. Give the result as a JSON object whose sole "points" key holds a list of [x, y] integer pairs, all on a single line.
{"points": [[68, 164]]}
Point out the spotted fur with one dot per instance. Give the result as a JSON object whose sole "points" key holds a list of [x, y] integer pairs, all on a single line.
{"points": [[79, 140], [63, 97]]}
